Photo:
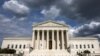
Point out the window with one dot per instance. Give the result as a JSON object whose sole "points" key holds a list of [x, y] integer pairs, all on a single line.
{"points": [[84, 46], [12, 46], [76, 46], [92, 46], [80, 46], [24, 46], [16, 46], [20, 46], [93, 51], [88, 46], [77, 52], [72, 46], [8, 46]]}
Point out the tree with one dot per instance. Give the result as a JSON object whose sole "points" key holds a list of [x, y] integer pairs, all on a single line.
{"points": [[20, 54], [86, 52], [7, 51], [79, 54]]}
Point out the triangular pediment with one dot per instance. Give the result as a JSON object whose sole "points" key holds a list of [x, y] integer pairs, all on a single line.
{"points": [[50, 24]]}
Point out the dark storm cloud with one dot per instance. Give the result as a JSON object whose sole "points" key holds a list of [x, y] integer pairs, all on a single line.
{"points": [[88, 8], [83, 11], [79, 10], [88, 11], [65, 7], [38, 3]]}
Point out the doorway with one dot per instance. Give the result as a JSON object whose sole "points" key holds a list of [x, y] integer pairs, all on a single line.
{"points": [[50, 44]]}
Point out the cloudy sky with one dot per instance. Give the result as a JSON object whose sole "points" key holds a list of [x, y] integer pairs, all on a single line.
{"points": [[17, 16]]}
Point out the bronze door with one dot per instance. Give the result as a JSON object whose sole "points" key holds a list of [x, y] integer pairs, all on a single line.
{"points": [[50, 44]]}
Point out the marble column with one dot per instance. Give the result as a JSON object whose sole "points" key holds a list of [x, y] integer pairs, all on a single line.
{"points": [[62, 34], [42, 39], [47, 39], [33, 39], [58, 39]]}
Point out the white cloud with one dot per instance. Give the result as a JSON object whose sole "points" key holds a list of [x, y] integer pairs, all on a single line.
{"points": [[51, 13], [12, 27], [86, 29], [93, 24], [4, 18], [71, 31], [22, 18], [16, 7], [61, 21], [68, 1]]}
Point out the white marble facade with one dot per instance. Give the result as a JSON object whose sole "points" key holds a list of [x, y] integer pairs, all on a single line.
{"points": [[51, 38]]}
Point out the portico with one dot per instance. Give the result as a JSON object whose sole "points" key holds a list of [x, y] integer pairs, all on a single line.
{"points": [[50, 36]]}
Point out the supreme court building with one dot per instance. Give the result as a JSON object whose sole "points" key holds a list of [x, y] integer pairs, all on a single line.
{"points": [[51, 38]]}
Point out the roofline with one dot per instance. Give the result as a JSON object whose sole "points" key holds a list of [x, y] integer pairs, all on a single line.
{"points": [[17, 38], [34, 25], [83, 38]]}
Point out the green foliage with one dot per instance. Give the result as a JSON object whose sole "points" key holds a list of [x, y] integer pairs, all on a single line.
{"points": [[79, 54], [84, 53], [7, 51], [87, 52]]}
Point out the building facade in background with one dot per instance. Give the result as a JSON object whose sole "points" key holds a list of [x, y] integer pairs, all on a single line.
{"points": [[51, 38]]}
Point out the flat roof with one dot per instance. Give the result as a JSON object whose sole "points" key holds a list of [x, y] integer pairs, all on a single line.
{"points": [[17, 38], [84, 38]]}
